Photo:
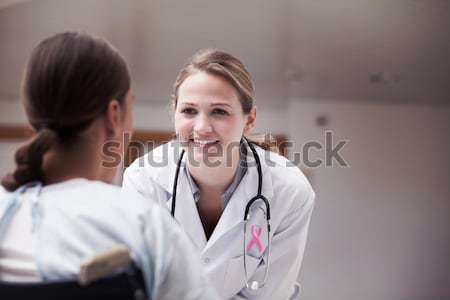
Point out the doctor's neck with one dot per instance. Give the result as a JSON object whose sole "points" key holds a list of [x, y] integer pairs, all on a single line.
{"points": [[215, 177]]}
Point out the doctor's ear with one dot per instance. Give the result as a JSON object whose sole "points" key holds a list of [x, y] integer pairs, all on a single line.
{"points": [[251, 120]]}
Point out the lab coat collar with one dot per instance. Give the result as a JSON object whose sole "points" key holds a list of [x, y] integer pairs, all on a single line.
{"points": [[166, 175]]}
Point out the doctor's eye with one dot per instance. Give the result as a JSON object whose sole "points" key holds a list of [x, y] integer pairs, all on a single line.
{"points": [[189, 111], [220, 112]]}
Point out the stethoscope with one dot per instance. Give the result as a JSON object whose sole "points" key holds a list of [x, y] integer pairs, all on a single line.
{"points": [[254, 285]]}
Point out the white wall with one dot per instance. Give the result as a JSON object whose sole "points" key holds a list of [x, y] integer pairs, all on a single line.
{"points": [[7, 150], [11, 112], [380, 229]]}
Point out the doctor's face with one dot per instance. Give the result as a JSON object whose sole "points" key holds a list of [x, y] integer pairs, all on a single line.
{"points": [[209, 119]]}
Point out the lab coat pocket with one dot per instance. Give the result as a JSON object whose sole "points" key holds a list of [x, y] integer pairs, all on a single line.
{"points": [[235, 275]]}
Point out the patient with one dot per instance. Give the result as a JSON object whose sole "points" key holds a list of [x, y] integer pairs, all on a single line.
{"points": [[57, 207]]}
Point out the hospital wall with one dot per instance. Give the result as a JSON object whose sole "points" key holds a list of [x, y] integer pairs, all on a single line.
{"points": [[380, 229]]}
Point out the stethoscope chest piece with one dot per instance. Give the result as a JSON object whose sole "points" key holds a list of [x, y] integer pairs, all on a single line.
{"points": [[255, 242]]}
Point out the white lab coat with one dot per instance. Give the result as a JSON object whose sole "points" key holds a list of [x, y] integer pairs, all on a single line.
{"points": [[291, 201]]}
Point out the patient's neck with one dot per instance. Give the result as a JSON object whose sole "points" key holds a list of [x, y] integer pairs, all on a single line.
{"points": [[81, 161]]}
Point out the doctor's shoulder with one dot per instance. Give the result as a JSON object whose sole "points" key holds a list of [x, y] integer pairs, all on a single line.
{"points": [[152, 163], [288, 180], [147, 173]]}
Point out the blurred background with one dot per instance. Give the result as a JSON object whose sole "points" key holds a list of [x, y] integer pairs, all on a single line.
{"points": [[374, 73]]}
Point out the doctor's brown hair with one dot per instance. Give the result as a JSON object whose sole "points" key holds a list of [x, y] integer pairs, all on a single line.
{"points": [[69, 81], [226, 66]]}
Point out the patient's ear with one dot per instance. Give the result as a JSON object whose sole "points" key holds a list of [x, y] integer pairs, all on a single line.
{"points": [[113, 118]]}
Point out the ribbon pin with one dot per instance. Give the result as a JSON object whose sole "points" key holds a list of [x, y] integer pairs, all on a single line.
{"points": [[256, 232]]}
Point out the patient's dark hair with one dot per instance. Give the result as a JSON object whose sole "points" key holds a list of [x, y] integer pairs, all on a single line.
{"points": [[69, 81]]}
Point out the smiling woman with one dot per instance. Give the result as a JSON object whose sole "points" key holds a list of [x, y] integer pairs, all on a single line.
{"points": [[218, 184]]}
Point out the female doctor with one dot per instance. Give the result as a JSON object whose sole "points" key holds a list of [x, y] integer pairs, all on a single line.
{"points": [[246, 209]]}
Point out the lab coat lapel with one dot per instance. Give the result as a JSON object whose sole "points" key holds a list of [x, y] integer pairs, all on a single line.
{"points": [[186, 213]]}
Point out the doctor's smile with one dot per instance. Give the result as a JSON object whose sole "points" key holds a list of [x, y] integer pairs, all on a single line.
{"points": [[203, 143]]}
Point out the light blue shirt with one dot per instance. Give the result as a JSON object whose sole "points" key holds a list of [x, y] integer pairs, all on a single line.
{"points": [[226, 196], [76, 219]]}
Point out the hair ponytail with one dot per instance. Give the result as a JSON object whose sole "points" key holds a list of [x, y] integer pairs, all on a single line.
{"points": [[69, 81], [29, 159]]}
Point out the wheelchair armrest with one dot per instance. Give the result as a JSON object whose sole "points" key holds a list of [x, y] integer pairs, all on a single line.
{"points": [[109, 275], [104, 263]]}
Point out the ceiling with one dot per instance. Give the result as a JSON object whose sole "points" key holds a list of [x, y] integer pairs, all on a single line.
{"points": [[353, 50]]}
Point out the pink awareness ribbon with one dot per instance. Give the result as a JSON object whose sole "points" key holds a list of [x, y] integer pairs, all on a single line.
{"points": [[256, 232]]}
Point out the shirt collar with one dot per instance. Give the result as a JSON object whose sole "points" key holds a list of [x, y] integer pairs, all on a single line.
{"points": [[226, 196]]}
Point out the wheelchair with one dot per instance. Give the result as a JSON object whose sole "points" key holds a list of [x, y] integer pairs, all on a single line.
{"points": [[93, 284]]}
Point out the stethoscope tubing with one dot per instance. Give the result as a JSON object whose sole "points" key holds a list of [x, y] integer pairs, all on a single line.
{"points": [[175, 184]]}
